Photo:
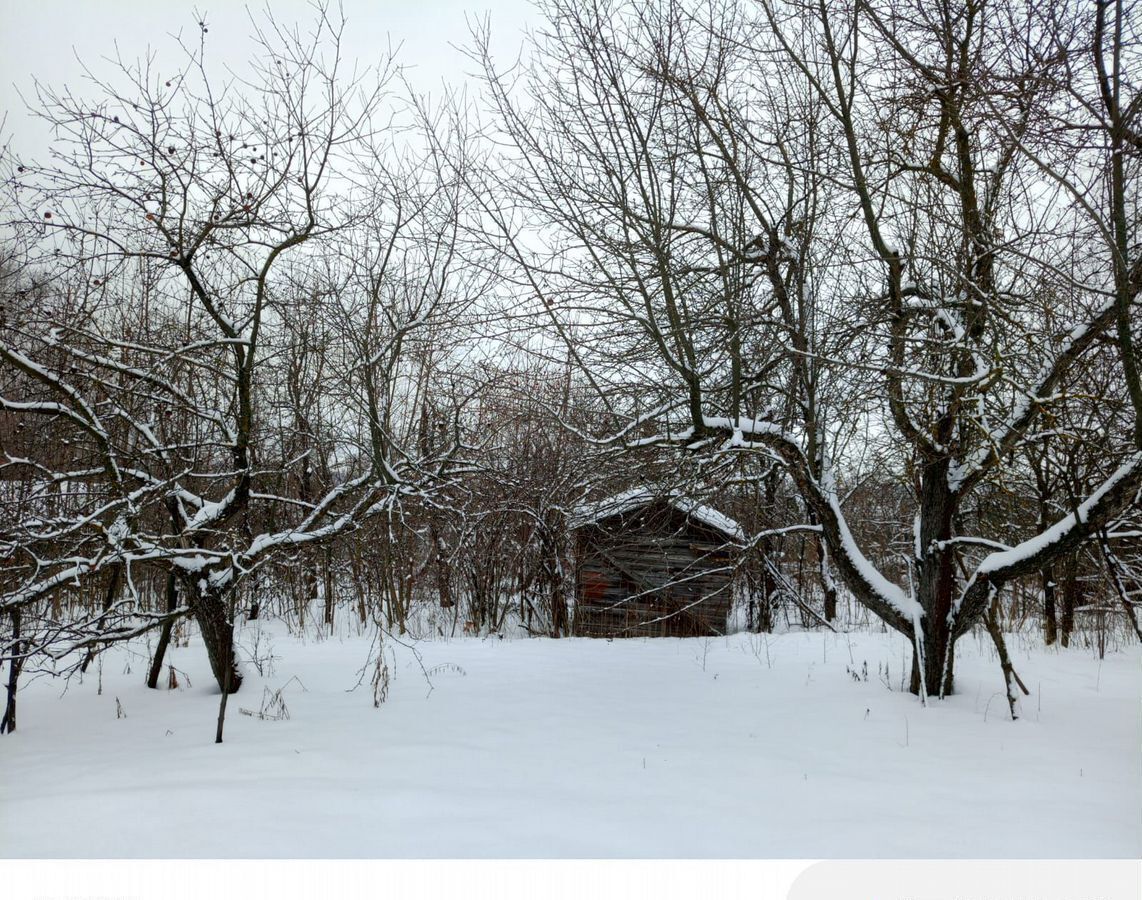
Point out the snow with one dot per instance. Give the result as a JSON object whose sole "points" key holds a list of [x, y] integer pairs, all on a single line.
{"points": [[209, 511], [1003, 559], [1033, 396], [744, 746], [636, 498], [891, 593]]}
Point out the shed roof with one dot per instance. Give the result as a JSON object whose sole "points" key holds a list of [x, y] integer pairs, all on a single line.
{"points": [[636, 498]]}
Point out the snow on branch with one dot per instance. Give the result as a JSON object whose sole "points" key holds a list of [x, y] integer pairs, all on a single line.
{"points": [[870, 587], [1031, 555], [1003, 439]]}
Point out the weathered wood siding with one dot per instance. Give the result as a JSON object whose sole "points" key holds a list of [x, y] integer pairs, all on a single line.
{"points": [[652, 573]]}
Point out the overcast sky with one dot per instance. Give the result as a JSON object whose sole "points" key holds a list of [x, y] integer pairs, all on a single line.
{"points": [[42, 38]]}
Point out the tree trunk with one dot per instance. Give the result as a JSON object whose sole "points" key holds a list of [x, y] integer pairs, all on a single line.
{"points": [[939, 654], [164, 634], [330, 593], [1013, 684], [217, 629], [560, 625], [935, 585], [1050, 622], [830, 603], [1070, 593], [108, 599], [765, 607], [8, 722], [226, 691], [1114, 570], [828, 583]]}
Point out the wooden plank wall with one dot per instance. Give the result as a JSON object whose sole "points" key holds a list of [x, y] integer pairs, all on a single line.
{"points": [[652, 573]]}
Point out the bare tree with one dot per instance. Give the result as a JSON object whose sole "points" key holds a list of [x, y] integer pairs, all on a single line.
{"points": [[198, 242], [946, 229]]}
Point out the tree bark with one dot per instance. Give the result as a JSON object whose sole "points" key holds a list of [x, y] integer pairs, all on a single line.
{"points": [[1011, 681], [1050, 617], [108, 599], [935, 584], [828, 583], [217, 630], [330, 597], [939, 656], [1070, 592], [1114, 571], [222, 706], [8, 722], [164, 634]]}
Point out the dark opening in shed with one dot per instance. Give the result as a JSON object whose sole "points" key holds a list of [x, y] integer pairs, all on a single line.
{"points": [[651, 565]]}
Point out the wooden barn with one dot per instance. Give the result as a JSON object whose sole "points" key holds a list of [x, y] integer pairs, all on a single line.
{"points": [[653, 565]]}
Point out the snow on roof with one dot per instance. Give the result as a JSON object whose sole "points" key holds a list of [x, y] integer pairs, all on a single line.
{"points": [[636, 498]]}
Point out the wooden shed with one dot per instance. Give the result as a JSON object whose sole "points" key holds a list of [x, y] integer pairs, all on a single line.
{"points": [[653, 565]]}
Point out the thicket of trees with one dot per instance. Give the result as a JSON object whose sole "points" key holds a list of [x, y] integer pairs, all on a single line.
{"points": [[866, 276]]}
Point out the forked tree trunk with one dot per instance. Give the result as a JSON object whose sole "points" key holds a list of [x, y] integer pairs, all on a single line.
{"points": [[939, 654], [214, 622], [1011, 680]]}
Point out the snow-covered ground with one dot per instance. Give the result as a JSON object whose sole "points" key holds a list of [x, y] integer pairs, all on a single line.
{"points": [[747, 746]]}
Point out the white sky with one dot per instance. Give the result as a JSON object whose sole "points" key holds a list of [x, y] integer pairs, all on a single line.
{"points": [[41, 38]]}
